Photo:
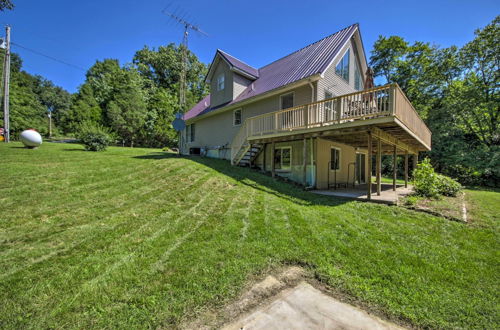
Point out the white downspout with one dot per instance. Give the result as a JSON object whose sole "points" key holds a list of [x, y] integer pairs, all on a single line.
{"points": [[313, 168]]}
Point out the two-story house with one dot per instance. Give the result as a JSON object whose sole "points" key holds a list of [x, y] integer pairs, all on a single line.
{"points": [[306, 116]]}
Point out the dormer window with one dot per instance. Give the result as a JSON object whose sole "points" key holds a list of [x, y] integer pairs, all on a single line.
{"points": [[342, 68], [220, 82]]}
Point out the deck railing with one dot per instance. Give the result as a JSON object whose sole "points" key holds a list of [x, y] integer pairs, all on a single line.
{"points": [[388, 100]]}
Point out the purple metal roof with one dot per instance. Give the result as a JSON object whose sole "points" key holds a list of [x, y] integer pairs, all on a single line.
{"points": [[306, 62], [239, 64]]}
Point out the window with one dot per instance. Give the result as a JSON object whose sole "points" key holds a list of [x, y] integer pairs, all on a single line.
{"points": [[190, 131], [283, 158], [358, 83], [335, 159], [342, 68], [286, 100], [237, 117], [220, 82]]}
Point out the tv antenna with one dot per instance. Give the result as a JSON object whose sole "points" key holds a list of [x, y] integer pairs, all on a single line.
{"points": [[184, 45]]}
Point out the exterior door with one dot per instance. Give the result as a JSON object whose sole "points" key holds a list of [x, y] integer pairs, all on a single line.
{"points": [[360, 168]]}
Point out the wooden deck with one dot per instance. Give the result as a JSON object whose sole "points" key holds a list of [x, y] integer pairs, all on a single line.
{"points": [[385, 111]]}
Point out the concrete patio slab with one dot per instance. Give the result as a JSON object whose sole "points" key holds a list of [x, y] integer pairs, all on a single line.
{"points": [[304, 307], [387, 195]]}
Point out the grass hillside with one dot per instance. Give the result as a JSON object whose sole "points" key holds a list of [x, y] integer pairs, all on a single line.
{"points": [[138, 238]]}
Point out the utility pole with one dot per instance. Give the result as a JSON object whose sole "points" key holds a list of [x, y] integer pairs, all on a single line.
{"points": [[6, 81], [49, 114]]}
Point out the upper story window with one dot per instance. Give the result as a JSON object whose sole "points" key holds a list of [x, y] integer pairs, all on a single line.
{"points": [[342, 68], [358, 82], [286, 100], [237, 117], [220, 82]]}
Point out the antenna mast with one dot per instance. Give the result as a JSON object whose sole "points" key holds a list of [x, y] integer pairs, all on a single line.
{"points": [[187, 26]]}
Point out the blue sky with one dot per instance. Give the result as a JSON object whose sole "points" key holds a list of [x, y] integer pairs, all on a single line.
{"points": [[257, 32]]}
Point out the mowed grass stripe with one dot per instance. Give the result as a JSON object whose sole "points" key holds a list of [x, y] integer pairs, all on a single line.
{"points": [[169, 236], [87, 267], [88, 235], [70, 211]]}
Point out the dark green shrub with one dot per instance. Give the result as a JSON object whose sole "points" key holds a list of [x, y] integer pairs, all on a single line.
{"points": [[428, 183], [94, 137]]}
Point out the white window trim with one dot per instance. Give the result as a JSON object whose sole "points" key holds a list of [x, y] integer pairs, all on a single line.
{"points": [[325, 92], [241, 116], [223, 82], [288, 168], [348, 65], [285, 94], [340, 158]]}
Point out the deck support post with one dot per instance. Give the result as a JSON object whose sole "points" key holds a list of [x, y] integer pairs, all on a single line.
{"points": [[395, 167], [264, 158], [414, 163], [304, 163], [370, 154], [406, 168], [379, 166], [273, 156]]}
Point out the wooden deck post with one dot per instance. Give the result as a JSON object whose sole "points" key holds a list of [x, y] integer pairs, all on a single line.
{"points": [[379, 166], [414, 163], [273, 155], [395, 167], [369, 181], [264, 157], [304, 163], [406, 168]]}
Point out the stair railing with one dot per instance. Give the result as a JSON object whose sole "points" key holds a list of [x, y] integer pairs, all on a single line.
{"points": [[239, 141]]}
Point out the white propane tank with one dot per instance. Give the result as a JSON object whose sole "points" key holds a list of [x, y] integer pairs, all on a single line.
{"points": [[31, 138]]}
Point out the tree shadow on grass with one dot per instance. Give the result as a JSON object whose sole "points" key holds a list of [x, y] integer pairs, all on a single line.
{"points": [[257, 180]]}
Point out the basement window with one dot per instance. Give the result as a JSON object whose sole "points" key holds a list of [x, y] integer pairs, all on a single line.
{"points": [[283, 158]]}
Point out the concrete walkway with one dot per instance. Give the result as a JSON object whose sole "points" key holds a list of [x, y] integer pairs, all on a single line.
{"points": [[387, 195], [304, 307]]}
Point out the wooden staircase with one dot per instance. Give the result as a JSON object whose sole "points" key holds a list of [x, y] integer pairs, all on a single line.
{"points": [[249, 153]]}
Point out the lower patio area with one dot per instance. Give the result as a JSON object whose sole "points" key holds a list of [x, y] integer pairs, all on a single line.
{"points": [[359, 192]]}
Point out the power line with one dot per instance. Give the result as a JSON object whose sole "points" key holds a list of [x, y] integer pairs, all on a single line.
{"points": [[49, 57]]}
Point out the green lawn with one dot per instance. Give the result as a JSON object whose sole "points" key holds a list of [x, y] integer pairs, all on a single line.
{"points": [[138, 238]]}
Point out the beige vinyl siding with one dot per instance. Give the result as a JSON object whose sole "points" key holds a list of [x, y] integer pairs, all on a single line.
{"points": [[296, 172], [347, 156], [240, 83], [218, 130], [332, 81], [225, 95]]}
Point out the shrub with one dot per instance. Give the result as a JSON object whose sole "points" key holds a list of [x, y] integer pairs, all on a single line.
{"points": [[425, 179], [93, 136], [447, 186], [428, 183]]}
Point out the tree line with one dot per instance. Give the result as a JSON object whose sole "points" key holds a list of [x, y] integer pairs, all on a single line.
{"points": [[456, 92], [137, 101]]}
